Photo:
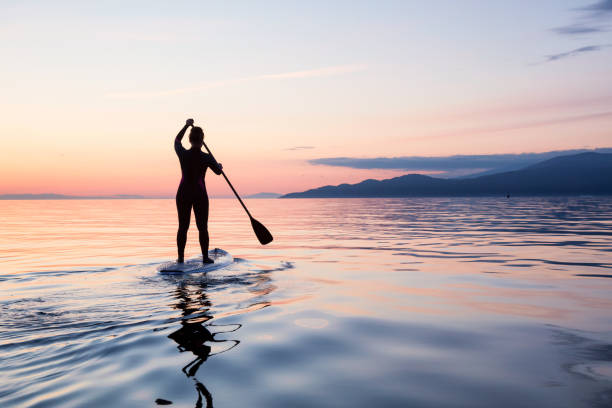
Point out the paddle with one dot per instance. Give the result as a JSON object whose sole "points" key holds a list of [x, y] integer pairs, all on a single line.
{"points": [[262, 233]]}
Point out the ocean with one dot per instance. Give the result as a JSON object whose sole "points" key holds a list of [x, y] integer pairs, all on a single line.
{"points": [[415, 302]]}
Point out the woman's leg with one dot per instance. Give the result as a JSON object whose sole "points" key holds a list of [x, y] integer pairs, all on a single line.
{"points": [[200, 208], [183, 207]]}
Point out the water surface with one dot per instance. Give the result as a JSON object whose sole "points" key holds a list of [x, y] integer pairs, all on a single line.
{"points": [[461, 302]]}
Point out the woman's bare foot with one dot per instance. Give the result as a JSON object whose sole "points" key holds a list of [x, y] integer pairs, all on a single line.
{"points": [[207, 260], [180, 260]]}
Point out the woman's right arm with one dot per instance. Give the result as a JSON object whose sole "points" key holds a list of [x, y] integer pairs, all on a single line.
{"points": [[181, 133]]}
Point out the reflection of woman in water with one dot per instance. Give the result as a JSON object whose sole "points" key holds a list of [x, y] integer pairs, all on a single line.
{"points": [[197, 334], [192, 189], [193, 335]]}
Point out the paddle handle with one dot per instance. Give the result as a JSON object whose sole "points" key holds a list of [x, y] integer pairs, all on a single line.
{"points": [[229, 183]]}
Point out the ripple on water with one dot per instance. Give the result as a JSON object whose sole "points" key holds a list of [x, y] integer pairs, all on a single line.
{"points": [[399, 302]]}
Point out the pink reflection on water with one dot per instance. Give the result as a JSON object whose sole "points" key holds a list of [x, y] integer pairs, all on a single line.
{"points": [[356, 256]]}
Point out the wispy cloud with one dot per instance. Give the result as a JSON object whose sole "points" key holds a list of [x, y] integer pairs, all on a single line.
{"points": [[574, 52], [577, 29], [319, 72], [300, 148], [601, 7], [176, 91], [329, 71], [593, 18], [449, 165]]}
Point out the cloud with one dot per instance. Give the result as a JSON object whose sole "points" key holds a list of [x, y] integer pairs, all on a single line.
{"points": [[338, 70], [449, 165], [601, 7], [300, 148], [577, 29], [574, 52], [319, 72], [593, 19]]}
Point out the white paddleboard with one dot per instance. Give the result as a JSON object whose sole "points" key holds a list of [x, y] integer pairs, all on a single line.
{"points": [[222, 258]]}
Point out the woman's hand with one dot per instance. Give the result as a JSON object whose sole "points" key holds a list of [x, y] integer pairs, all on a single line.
{"points": [[189, 122], [220, 166]]}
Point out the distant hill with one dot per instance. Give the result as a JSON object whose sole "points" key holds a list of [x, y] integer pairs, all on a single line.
{"points": [[264, 195], [584, 173]]}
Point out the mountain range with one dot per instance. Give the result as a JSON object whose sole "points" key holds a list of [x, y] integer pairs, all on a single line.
{"points": [[584, 173]]}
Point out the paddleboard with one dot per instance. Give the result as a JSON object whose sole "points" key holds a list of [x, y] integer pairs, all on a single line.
{"points": [[222, 258]]}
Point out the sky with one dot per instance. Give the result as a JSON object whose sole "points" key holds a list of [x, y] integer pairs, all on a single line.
{"points": [[94, 92]]}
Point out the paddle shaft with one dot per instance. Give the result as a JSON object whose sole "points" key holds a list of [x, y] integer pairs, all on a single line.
{"points": [[229, 183]]}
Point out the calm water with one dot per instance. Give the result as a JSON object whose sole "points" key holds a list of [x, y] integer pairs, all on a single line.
{"points": [[389, 303]]}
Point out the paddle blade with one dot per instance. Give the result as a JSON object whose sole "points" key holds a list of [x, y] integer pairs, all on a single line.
{"points": [[262, 233]]}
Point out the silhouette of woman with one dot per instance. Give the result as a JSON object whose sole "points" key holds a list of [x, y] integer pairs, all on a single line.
{"points": [[192, 189]]}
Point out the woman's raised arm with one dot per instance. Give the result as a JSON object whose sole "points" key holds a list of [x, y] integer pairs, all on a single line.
{"points": [[181, 133]]}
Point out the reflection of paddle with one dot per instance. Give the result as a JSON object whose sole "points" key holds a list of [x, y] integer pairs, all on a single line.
{"points": [[262, 233]]}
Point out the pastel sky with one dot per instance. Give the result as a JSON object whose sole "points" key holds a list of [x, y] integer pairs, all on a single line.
{"points": [[93, 92]]}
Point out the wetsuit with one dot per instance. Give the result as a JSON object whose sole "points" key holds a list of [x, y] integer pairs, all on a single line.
{"points": [[192, 193]]}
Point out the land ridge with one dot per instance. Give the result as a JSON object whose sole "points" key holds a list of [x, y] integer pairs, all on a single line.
{"points": [[584, 173]]}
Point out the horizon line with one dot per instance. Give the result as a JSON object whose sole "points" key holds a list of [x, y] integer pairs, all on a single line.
{"points": [[57, 196]]}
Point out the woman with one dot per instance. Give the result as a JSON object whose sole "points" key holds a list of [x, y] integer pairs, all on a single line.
{"points": [[192, 190]]}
